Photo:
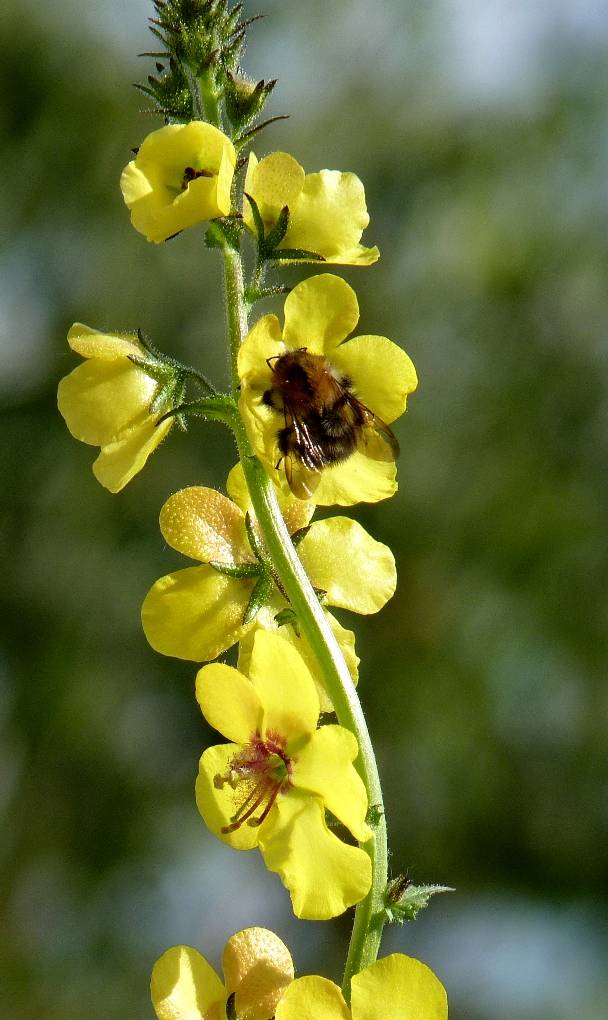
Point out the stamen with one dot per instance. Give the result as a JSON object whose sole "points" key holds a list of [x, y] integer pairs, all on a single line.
{"points": [[264, 766], [254, 822]]}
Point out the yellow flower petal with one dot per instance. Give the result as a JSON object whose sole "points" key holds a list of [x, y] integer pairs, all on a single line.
{"points": [[327, 211], [120, 460], [102, 398], [383, 374], [274, 182], [296, 512], [341, 558], [398, 988], [359, 479], [195, 613], [266, 620], [203, 524], [217, 804], [313, 998], [319, 313], [284, 686], [161, 200], [229, 702], [325, 767], [324, 875], [263, 341], [91, 343], [258, 967], [184, 986], [329, 216]]}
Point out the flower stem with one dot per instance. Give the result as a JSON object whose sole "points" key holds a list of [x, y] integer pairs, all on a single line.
{"points": [[369, 915]]}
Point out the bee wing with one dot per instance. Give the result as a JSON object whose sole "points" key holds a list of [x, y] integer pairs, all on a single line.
{"points": [[301, 460], [376, 439], [301, 480]]}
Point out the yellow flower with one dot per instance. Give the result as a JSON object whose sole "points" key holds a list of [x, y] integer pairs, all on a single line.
{"points": [[271, 786], [106, 402], [257, 969], [367, 376], [181, 175], [327, 211], [394, 988], [199, 612]]}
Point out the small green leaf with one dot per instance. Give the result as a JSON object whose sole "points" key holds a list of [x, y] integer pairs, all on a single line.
{"points": [[299, 535], [374, 813], [217, 408], [256, 546], [404, 901], [296, 255], [225, 232], [259, 597], [287, 618], [276, 235], [241, 570], [257, 219]]}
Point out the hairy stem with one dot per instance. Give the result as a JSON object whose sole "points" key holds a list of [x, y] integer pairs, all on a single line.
{"points": [[369, 915]]}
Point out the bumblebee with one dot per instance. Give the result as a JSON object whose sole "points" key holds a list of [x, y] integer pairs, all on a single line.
{"points": [[324, 422]]}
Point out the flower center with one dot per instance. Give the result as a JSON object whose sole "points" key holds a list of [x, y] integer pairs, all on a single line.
{"points": [[263, 769], [190, 174]]}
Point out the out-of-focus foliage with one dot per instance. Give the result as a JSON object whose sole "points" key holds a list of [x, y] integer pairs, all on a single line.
{"points": [[484, 680]]}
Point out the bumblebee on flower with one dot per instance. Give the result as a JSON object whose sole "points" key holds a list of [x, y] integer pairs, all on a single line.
{"points": [[317, 408]]}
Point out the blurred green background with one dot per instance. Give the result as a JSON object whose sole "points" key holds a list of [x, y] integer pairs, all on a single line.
{"points": [[480, 130]]}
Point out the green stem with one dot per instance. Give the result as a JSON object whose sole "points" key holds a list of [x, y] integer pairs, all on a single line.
{"points": [[369, 915]]}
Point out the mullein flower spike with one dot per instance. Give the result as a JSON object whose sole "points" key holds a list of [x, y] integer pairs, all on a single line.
{"points": [[271, 786]]}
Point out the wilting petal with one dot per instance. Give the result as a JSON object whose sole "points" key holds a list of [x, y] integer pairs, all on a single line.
{"points": [[342, 559], [398, 988], [218, 805], [229, 702], [195, 613], [384, 375], [205, 525], [284, 686], [258, 967], [313, 998], [325, 767], [184, 986], [324, 875], [319, 313]]}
